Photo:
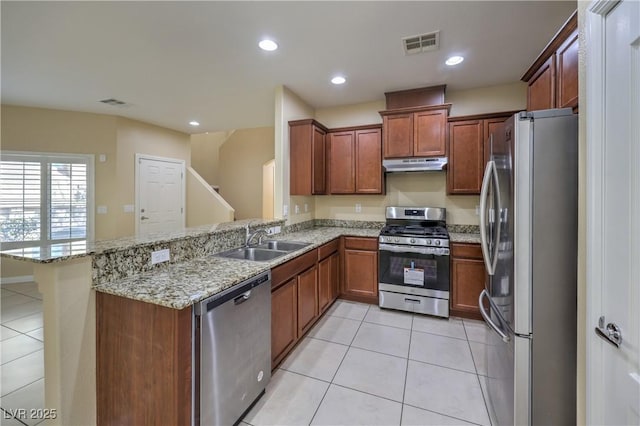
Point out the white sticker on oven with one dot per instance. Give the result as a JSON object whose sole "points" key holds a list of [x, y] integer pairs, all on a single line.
{"points": [[414, 276]]}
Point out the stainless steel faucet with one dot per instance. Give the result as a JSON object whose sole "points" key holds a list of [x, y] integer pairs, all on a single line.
{"points": [[260, 233]]}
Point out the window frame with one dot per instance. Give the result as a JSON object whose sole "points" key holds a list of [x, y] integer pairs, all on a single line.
{"points": [[46, 158]]}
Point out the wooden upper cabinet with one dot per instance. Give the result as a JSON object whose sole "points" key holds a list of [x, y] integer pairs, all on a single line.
{"points": [[466, 156], [307, 153], [318, 168], [415, 132], [342, 163], [398, 135], [553, 77], [355, 161], [368, 165], [470, 140], [567, 72], [429, 133], [541, 91]]}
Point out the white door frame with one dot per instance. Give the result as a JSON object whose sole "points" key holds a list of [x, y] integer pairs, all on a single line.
{"points": [[137, 185], [595, 125]]}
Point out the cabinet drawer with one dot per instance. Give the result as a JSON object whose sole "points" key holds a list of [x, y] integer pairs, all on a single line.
{"points": [[327, 249], [472, 251], [283, 272], [361, 243]]}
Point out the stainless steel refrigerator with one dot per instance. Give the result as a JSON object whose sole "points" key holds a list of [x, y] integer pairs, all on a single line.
{"points": [[529, 231]]}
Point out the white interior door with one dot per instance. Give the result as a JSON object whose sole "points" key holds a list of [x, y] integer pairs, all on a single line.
{"points": [[613, 213], [160, 194]]}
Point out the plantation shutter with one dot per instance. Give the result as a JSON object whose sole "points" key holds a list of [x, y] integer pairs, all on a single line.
{"points": [[67, 201], [20, 201]]}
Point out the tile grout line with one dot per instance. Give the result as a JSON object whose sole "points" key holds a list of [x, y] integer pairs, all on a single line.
{"points": [[406, 371], [336, 372], [442, 414], [21, 387], [484, 398]]}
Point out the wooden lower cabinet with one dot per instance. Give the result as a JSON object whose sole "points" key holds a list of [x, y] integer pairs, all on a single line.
{"points": [[328, 278], [143, 362], [307, 299], [284, 320], [468, 278], [360, 266]]}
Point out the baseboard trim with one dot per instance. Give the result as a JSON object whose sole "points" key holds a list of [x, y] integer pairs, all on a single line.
{"points": [[18, 279]]}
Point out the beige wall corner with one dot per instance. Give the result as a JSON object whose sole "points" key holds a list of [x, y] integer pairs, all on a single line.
{"points": [[135, 137], [204, 205], [504, 97], [240, 169], [351, 115], [205, 149], [15, 271], [69, 316], [582, 220], [288, 106]]}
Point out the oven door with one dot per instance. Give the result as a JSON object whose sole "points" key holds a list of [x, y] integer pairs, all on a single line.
{"points": [[417, 270]]}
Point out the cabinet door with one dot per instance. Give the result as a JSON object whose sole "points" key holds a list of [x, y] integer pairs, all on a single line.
{"points": [[307, 299], [398, 135], [429, 137], [567, 72], [360, 273], [324, 283], [342, 178], [300, 159], [468, 278], [284, 320], [466, 157], [368, 161], [318, 163], [492, 127], [541, 93]]}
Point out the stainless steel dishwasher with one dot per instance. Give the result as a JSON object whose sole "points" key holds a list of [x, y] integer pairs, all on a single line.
{"points": [[232, 353]]}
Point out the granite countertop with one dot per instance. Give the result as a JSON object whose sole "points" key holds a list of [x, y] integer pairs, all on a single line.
{"points": [[459, 237], [58, 252], [182, 284]]}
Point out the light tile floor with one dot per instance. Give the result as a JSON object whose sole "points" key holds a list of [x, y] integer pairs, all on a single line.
{"points": [[21, 352], [361, 365]]}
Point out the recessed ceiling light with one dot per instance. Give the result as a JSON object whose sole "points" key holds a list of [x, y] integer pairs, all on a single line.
{"points": [[454, 60], [338, 80], [268, 45], [194, 123]]}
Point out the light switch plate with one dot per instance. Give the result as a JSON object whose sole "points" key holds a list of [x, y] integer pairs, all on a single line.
{"points": [[160, 256], [128, 208], [296, 209], [101, 209], [102, 158], [358, 207]]}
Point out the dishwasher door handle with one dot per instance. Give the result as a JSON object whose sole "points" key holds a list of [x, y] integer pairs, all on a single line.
{"points": [[242, 298]]}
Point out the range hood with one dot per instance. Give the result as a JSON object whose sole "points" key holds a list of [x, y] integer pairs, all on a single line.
{"points": [[428, 164]]}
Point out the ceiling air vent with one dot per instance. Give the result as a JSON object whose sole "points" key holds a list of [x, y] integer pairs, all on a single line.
{"points": [[113, 102], [421, 43]]}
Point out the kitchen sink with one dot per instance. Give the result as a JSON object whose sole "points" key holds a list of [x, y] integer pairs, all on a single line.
{"points": [[253, 253], [283, 245]]}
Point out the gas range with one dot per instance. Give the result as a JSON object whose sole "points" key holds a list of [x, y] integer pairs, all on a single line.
{"points": [[413, 267], [425, 226]]}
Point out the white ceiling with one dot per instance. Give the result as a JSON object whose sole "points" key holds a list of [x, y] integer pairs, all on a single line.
{"points": [[178, 61]]}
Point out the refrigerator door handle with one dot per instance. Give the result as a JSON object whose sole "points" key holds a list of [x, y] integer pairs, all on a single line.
{"points": [[498, 218], [484, 238], [488, 319]]}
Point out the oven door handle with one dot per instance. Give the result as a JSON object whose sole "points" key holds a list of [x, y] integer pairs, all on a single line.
{"points": [[410, 249]]}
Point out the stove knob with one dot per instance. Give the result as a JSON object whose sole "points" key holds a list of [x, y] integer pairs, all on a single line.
{"points": [[437, 242], [428, 242], [412, 241]]}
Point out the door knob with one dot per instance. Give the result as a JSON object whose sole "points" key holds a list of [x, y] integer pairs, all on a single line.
{"points": [[611, 333]]}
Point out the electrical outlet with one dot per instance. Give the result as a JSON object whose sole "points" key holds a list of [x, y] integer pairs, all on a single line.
{"points": [[274, 230], [358, 207], [102, 158], [160, 256], [285, 210], [102, 209], [296, 209], [306, 207]]}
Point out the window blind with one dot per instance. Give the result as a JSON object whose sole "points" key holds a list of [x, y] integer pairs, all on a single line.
{"points": [[20, 201]]}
